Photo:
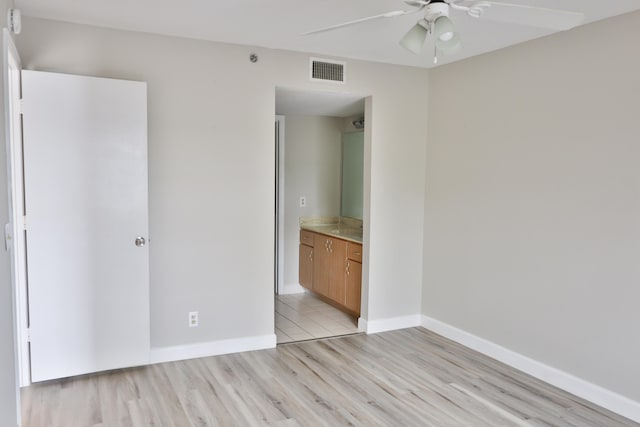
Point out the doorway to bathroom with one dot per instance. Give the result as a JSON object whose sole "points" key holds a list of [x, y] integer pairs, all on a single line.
{"points": [[320, 165]]}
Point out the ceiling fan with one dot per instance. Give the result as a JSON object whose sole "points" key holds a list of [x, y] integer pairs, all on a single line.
{"points": [[436, 21]]}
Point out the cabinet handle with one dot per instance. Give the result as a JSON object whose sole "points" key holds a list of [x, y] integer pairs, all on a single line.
{"points": [[347, 269], [356, 253], [311, 256], [328, 245]]}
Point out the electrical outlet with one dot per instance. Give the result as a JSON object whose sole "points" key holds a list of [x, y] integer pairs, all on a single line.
{"points": [[303, 202], [193, 319]]}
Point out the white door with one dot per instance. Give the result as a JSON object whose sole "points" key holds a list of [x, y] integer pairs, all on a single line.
{"points": [[14, 231], [85, 164]]}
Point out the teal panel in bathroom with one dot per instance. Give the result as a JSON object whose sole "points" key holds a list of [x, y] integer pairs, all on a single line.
{"points": [[352, 174]]}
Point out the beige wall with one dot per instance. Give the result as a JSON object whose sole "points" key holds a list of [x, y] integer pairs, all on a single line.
{"points": [[530, 219], [312, 169], [8, 404], [532, 222], [211, 171]]}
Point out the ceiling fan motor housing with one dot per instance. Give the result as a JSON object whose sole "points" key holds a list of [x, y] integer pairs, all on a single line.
{"points": [[435, 10]]}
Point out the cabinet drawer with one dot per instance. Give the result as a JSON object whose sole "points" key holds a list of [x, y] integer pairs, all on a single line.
{"points": [[354, 252], [306, 237]]}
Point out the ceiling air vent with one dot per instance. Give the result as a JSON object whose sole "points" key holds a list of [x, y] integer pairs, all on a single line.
{"points": [[327, 70]]}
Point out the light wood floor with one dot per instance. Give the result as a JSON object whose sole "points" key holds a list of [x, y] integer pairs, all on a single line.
{"points": [[410, 377]]}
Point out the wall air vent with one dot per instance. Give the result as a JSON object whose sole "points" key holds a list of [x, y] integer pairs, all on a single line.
{"points": [[327, 70]]}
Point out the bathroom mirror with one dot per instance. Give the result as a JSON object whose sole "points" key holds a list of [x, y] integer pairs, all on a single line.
{"points": [[352, 174]]}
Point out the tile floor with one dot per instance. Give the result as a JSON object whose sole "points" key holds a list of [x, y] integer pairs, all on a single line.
{"points": [[303, 316]]}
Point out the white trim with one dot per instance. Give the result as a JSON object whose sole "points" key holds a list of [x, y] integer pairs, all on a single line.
{"points": [[291, 288], [211, 348], [389, 324], [281, 205], [362, 324], [594, 393], [15, 167], [17, 255]]}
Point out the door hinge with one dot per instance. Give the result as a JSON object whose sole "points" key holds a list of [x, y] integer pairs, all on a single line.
{"points": [[8, 244], [27, 333], [21, 106], [24, 223]]}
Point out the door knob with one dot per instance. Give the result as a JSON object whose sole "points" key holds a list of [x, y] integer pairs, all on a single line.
{"points": [[140, 241]]}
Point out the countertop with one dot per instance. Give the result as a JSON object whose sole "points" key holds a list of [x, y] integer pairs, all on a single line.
{"points": [[334, 227]]}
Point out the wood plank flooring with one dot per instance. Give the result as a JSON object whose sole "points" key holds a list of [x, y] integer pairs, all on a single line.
{"points": [[410, 377]]}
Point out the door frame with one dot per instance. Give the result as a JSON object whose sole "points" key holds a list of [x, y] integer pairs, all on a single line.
{"points": [[366, 214], [279, 203], [16, 231]]}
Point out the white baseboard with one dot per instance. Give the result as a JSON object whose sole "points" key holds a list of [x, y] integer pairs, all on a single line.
{"points": [[292, 288], [390, 324], [212, 348], [594, 393], [362, 324]]}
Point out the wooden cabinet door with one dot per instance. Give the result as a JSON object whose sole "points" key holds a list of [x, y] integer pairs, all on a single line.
{"points": [[306, 266], [321, 265], [338, 254], [353, 286]]}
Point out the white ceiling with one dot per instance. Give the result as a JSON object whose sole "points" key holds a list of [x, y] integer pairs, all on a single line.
{"points": [[280, 23]]}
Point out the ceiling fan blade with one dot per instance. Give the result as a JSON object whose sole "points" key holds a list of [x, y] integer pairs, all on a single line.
{"points": [[527, 15], [392, 14]]}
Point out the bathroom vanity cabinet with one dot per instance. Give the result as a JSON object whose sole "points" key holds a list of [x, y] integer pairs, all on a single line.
{"points": [[353, 283], [306, 259], [332, 268]]}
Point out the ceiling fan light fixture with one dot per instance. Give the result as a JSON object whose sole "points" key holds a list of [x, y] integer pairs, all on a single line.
{"points": [[415, 37], [445, 37], [451, 46], [443, 29]]}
